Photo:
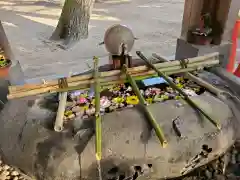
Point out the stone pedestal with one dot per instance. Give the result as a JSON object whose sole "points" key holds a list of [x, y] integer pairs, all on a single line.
{"points": [[224, 12], [187, 50]]}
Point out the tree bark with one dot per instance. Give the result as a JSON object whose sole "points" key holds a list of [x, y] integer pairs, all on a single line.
{"points": [[73, 22]]}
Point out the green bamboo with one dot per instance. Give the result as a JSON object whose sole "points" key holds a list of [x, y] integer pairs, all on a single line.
{"points": [[196, 79], [142, 101], [98, 125], [189, 101]]}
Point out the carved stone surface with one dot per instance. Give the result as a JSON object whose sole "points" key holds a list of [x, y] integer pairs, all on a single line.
{"points": [[28, 141]]}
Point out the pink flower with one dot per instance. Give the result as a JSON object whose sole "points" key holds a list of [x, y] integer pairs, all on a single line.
{"points": [[82, 100]]}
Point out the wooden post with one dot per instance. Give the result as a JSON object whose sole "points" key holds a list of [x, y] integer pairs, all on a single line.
{"points": [[224, 14], [191, 15]]}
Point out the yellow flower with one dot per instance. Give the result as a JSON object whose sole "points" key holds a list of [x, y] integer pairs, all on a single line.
{"points": [[84, 95], [116, 88], [86, 107], [165, 97], [158, 99], [149, 100], [180, 85], [93, 102], [118, 100], [177, 97], [68, 113], [133, 100], [2, 57]]}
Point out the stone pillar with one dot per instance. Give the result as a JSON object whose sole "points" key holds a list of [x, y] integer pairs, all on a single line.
{"points": [[16, 76], [225, 13]]}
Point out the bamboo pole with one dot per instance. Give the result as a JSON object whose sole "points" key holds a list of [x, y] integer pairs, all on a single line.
{"points": [[107, 81], [51, 89], [196, 79], [98, 128], [149, 115], [102, 78], [206, 58], [216, 91], [58, 125], [189, 101], [98, 118]]}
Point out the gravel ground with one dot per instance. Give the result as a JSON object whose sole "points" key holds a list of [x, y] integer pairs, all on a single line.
{"points": [[226, 167], [157, 24], [9, 173]]}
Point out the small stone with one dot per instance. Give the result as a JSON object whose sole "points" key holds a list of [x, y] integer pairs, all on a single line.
{"points": [[208, 174], [2, 177], [129, 89], [178, 104], [14, 173], [189, 92], [92, 111], [130, 105], [142, 91], [15, 178], [76, 109], [85, 116], [79, 113], [121, 105], [6, 167], [6, 173]]}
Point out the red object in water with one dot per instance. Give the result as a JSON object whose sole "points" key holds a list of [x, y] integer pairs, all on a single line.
{"points": [[231, 63], [4, 70]]}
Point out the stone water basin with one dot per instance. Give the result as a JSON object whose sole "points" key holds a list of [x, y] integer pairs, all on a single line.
{"points": [[130, 147]]}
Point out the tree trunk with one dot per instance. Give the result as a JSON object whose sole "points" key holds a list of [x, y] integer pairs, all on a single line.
{"points": [[73, 22]]}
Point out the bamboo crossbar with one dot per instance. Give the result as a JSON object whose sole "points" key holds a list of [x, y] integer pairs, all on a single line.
{"points": [[84, 81], [206, 58]]}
